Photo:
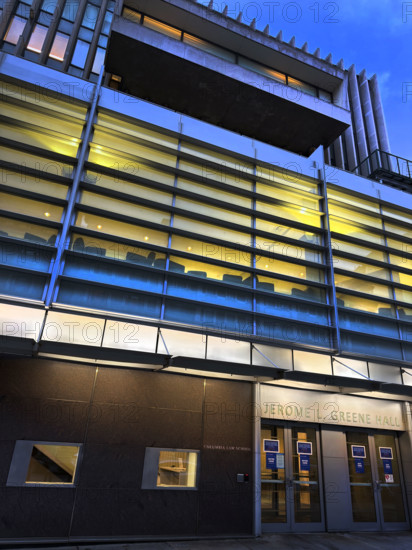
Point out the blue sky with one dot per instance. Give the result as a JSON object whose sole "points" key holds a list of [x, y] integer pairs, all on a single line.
{"points": [[375, 35]]}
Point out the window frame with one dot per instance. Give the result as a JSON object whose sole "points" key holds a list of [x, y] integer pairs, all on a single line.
{"points": [[151, 468], [20, 462]]}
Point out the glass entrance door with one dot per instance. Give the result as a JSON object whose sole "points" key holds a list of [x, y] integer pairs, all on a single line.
{"points": [[376, 482], [291, 481]]}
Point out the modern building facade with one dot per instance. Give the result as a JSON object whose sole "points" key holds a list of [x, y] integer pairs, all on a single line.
{"points": [[206, 266]]}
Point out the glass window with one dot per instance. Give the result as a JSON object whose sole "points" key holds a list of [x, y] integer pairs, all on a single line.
{"points": [[298, 214], [90, 16], [49, 6], [280, 193], [137, 211], [403, 295], [397, 214], [400, 230], [287, 178], [209, 47], [123, 186], [347, 213], [342, 246], [59, 46], [15, 29], [80, 54], [405, 314], [367, 287], [352, 200], [70, 9], [162, 28], [326, 96], [170, 469], [305, 292], [273, 266], [128, 126], [214, 192], [25, 112], [292, 251], [41, 138], [363, 304], [402, 278], [27, 231], [121, 229], [211, 251], [21, 205], [291, 232], [131, 15], [215, 173], [41, 164], [302, 86], [34, 184], [37, 39], [204, 270], [358, 267], [113, 142], [212, 231], [43, 463], [261, 69], [117, 251], [32, 99], [98, 60], [219, 158], [213, 211], [402, 261], [108, 16], [344, 228], [51, 464]]}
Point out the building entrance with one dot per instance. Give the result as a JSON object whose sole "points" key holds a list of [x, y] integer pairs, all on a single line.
{"points": [[291, 491], [376, 485]]}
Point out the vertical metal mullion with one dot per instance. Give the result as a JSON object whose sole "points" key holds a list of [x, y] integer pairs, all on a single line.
{"points": [[398, 326], [329, 263], [257, 514], [254, 251], [74, 190], [169, 240]]}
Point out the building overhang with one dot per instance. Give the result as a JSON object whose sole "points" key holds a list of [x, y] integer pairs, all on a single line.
{"points": [[178, 76]]}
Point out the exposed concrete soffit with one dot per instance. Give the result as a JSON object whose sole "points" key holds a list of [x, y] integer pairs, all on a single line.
{"points": [[266, 31]]}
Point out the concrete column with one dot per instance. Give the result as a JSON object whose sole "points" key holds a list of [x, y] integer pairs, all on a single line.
{"points": [[327, 156], [350, 148], [337, 145], [379, 115], [405, 444], [368, 112], [340, 95], [359, 130], [257, 515]]}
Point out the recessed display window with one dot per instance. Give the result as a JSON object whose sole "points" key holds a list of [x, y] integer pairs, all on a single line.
{"points": [[44, 463], [170, 469]]}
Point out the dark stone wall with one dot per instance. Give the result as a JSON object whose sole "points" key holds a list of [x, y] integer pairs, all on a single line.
{"points": [[115, 414]]}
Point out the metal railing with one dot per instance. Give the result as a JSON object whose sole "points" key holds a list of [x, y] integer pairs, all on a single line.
{"points": [[386, 166]]}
